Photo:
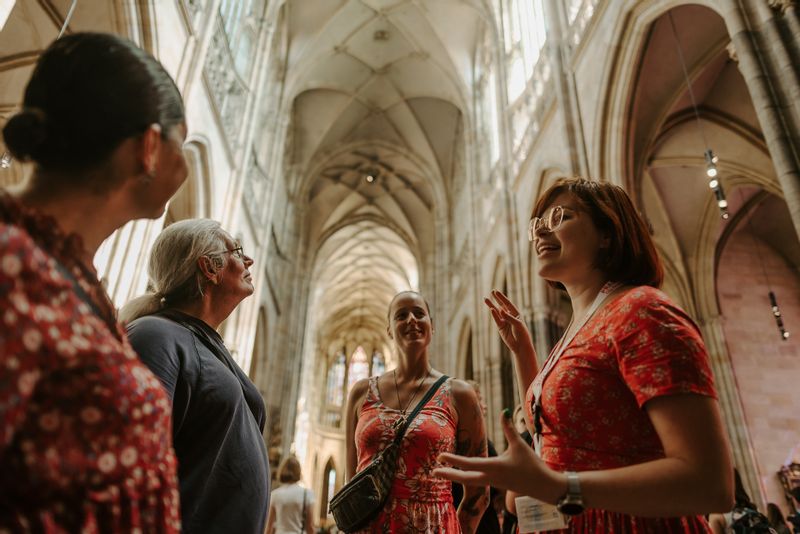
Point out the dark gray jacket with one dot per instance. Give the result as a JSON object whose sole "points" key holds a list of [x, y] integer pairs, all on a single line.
{"points": [[217, 419]]}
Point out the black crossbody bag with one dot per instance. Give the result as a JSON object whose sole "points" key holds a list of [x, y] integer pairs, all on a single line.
{"points": [[361, 500]]}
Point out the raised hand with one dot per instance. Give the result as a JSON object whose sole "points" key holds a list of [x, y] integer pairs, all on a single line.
{"points": [[518, 469], [509, 322]]}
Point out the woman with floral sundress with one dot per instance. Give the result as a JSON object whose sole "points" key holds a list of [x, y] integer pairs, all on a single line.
{"points": [[451, 421], [626, 425], [85, 437]]}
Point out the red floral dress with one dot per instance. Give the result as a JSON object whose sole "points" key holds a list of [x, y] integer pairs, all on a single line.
{"points": [[85, 438], [637, 347], [418, 501]]}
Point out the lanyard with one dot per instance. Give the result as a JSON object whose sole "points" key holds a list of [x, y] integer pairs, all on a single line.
{"points": [[555, 355]]}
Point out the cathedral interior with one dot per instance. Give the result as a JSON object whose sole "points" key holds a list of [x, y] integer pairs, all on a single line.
{"points": [[358, 148]]}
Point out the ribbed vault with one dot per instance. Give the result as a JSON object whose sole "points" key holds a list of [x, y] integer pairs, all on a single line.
{"points": [[377, 91], [358, 270]]}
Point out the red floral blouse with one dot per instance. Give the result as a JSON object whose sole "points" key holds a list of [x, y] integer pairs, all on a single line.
{"points": [[85, 437], [637, 347]]}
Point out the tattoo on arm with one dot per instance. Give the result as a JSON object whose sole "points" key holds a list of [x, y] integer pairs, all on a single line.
{"points": [[471, 441]]}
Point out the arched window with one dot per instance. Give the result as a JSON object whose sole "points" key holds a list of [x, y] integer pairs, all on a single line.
{"points": [[378, 364], [242, 20], [328, 487], [342, 375], [359, 367], [334, 392], [524, 38]]}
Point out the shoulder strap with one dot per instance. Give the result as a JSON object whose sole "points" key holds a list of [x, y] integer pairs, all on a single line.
{"points": [[433, 389], [303, 513]]}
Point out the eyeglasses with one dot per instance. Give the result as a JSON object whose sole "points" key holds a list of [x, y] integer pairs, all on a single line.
{"points": [[236, 252], [550, 221]]}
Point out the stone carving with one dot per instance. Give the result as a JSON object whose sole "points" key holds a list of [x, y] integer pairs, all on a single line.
{"points": [[255, 190], [228, 91], [195, 7], [781, 5], [732, 52], [527, 114], [582, 13]]}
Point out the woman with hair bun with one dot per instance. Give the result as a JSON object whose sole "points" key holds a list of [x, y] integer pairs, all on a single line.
{"points": [[198, 275], [85, 443]]}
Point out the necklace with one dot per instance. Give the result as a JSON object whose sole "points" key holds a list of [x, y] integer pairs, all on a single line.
{"points": [[397, 391]]}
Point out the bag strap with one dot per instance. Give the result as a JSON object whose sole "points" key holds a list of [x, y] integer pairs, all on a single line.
{"points": [[433, 389], [303, 513]]}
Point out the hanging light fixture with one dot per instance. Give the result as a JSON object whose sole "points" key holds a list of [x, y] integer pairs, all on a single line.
{"points": [[773, 300], [776, 311], [714, 182]]}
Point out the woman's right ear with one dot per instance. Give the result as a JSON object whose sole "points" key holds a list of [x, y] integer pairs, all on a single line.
{"points": [[150, 149], [207, 269]]}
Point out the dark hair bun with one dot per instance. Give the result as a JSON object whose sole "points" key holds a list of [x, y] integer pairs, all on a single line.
{"points": [[25, 133]]}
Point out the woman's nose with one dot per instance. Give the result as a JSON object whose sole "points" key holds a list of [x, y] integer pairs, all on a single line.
{"points": [[248, 261], [540, 230]]}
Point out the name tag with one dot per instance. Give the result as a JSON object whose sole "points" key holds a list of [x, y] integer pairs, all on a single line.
{"points": [[536, 516]]}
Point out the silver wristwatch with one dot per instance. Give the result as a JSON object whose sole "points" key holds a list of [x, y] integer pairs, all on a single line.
{"points": [[572, 502]]}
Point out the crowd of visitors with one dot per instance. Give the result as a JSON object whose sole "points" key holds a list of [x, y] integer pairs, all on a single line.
{"points": [[145, 423]]}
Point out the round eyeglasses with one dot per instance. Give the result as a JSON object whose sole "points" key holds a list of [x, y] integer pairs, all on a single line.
{"points": [[550, 221]]}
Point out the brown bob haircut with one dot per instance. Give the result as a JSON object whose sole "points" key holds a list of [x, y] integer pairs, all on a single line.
{"points": [[289, 470], [631, 256]]}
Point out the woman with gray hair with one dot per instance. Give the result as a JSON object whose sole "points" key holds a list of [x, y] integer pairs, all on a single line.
{"points": [[198, 275]]}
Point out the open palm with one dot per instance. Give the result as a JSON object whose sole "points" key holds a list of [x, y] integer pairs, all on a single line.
{"points": [[513, 330]]}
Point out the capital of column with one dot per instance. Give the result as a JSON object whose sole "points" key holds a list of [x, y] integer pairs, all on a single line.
{"points": [[781, 5], [731, 49]]}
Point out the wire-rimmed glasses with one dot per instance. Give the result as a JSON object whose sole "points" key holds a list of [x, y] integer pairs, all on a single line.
{"points": [[550, 221], [237, 251]]}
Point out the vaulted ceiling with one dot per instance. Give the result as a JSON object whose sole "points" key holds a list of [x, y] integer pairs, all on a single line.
{"points": [[668, 142], [379, 92]]}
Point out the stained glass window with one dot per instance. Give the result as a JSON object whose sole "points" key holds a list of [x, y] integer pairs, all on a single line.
{"points": [[378, 364], [334, 392], [359, 367]]}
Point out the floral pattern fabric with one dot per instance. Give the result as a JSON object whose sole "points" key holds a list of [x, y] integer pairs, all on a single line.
{"points": [[637, 347], [85, 437], [418, 501]]}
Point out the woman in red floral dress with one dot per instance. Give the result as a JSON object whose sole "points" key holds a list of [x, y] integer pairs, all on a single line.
{"points": [[451, 421], [85, 437], [624, 411]]}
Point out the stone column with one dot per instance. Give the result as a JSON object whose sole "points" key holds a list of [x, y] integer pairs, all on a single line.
{"points": [[772, 115], [564, 80], [731, 407], [779, 46]]}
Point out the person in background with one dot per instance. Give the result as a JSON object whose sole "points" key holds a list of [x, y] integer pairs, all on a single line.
{"points": [[627, 430], [85, 443], [291, 506], [450, 421], [510, 507], [776, 519], [198, 275], [490, 523], [744, 518]]}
